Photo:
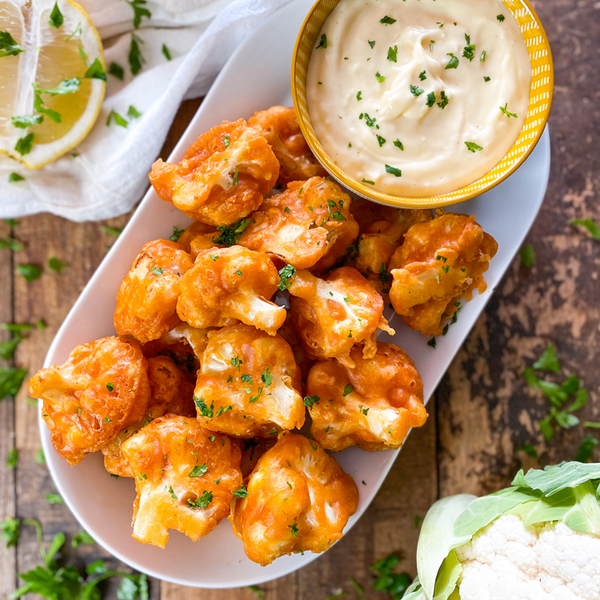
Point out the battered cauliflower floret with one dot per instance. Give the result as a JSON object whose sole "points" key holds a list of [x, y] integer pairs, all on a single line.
{"points": [[248, 384], [309, 225], [252, 450], [333, 315], [439, 262], [280, 127], [299, 499], [227, 285], [196, 339], [222, 177], [198, 236], [148, 295], [372, 405], [508, 561], [101, 389], [170, 393], [185, 478], [379, 240]]}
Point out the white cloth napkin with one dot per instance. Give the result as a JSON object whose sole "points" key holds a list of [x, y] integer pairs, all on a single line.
{"points": [[110, 172]]}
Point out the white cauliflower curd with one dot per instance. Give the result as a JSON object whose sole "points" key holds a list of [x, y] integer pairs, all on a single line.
{"points": [[508, 561]]}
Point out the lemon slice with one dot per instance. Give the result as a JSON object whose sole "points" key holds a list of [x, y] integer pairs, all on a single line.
{"points": [[52, 79]]}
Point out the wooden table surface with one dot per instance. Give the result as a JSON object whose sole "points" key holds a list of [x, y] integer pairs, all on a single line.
{"points": [[481, 412]]}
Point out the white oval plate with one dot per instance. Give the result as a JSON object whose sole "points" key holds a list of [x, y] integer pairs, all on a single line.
{"points": [[256, 77]]}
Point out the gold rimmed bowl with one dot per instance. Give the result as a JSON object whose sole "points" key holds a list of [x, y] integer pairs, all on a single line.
{"points": [[540, 100]]}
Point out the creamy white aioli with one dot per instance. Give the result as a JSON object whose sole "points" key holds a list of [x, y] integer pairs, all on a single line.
{"points": [[344, 80]]}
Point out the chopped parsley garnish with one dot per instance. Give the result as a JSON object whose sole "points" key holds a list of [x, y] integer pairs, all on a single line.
{"points": [[359, 96], [230, 234], [266, 376], [118, 119], [347, 389], [238, 273], [506, 112], [387, 21], [294, 529], [393, 171], [110, 387], [469, 49], [172, 493], [367, 181], [133, 112], [590, 225], [14, 178], [24, 144], [380, 140], [500, 18], [392, 54], [453, 63], [198, 470], [116, 70], [444, 100], [430, 99], [416, 91], [221, 410], [205, 410], [107, 420], [201, 501], [9, 46], [323, 41], [482, 57], [586, 448], [432, 343], [241, 493], [11, 380], [399, 144], [286, 277], [371, 43], [486, 79], [379, 77], [29, 272], [136, 59], [139, 11], [527, 256], [364, 411], [176, 233], [226, 140], [431, 43], [548, 361], [25, 121], [66, 86], [310, 401], [12, 459], [157, 271], [253, 399], [236, 362], [166, 52], [56, 265], [473, 147], [369, 121], [235, 177], [422, 76], [246, 378], [54, 499]]}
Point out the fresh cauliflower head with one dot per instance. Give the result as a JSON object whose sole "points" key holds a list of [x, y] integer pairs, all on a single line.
{"points": [[222, 177], [334, 315], [185, 478], [280, 127], [101, 389], [248, 384], [299, 499], [309, 225], [227, 285], [148, 295], [440, 261], [508, 561], [372, 405]]}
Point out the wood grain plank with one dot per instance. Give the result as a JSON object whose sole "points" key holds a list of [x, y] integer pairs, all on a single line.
{"points": [[7, 425]]}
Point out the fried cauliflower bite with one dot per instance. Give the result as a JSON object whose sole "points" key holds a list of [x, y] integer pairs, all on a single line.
{"points": [[147, 297], [309, 225], [248, 384], [170, 393], [252, 450], [222, 177], [439, 262], [372, 406], [101, 389], [299, 499], [227, 285], [333, 315], [379, 240], [280, 127], [184, 481]]}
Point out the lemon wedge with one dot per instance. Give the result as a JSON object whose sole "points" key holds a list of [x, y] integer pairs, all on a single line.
{"points": [[52, 78]]}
